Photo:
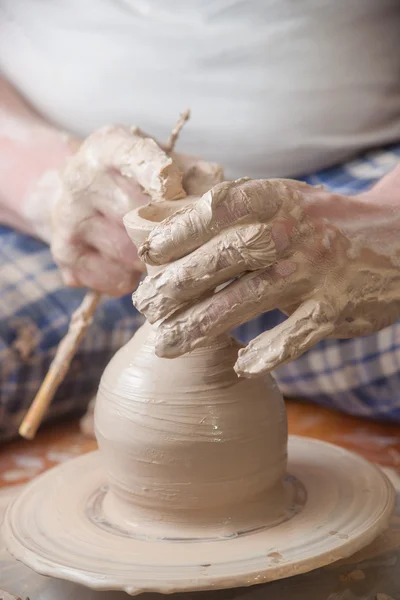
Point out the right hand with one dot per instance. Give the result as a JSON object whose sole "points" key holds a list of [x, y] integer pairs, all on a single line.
{"points": [[330, 262], [97, 188]]}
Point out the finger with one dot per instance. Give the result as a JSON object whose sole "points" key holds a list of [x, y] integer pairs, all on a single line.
{"points": [[232, 253], [83, 266], [108, 192], [310, 323], [114, 196], [136, 156], [98, 273], [69, 252], [65, 250], [227, 204], [235, 304], [110, 239]]}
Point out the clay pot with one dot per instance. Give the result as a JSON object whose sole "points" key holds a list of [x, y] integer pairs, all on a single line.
{"points": [[190, 449]]}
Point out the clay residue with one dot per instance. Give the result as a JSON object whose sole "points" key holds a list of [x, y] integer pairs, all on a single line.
{"points": [[225, 235], [134, 154], [27, 337], [356, 575], [342, 536], [241, 249], [153, 169], [227, 203], [276, 556], [331, 280]]}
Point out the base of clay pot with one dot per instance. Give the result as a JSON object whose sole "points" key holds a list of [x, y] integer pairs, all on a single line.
{"points": [[280, 504], [342, 503]]}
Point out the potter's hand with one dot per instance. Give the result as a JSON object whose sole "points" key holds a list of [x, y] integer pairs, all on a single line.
{"points": [[95, 190], [115, 170], [330, 262]]}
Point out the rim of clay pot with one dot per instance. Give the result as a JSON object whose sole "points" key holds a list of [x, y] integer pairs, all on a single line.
{"points": [[148, 215], [141, 221]]}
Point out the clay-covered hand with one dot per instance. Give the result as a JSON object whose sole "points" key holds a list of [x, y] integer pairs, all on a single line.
{"points": [[98, 186], [331, 262], [115, 170]]}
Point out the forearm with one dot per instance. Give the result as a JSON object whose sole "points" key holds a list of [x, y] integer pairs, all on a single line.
{"points": [[379, 204], [29, 147]]}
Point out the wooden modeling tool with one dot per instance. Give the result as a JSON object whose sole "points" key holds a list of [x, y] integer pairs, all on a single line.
{"points": [[66, 350], [80, 321]]}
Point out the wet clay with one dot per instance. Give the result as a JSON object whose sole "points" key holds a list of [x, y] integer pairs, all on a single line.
{"points": [[269, 243], [192, 488], [186, 444], [59, 526], [185, 441], [312, 586], [140, 158]]}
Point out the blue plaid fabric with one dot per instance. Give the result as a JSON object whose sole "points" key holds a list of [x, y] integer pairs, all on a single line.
{"points": [[36, 309], [360, 376]]}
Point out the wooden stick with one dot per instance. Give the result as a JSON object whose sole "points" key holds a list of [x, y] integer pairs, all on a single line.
{"points": [[80, 321], [170, 145], [68, 346]]}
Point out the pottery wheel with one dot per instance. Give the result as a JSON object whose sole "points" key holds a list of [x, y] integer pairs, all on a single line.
{"points": [[53, 528]]}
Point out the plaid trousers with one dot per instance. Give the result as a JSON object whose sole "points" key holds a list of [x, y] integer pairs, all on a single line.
{"points": [[359, 376]]}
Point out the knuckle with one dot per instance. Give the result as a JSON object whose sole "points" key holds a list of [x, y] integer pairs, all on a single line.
{"points": [[256, 245], [325, 311]]}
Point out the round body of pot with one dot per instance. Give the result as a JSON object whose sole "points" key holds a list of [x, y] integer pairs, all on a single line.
{"points": [[190, 449]]}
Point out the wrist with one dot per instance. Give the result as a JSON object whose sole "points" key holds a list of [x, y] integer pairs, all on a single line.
{"points": [[29, 146], [38, 207]]}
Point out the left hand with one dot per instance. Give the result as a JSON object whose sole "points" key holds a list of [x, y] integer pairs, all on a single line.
{"points": [[331, 262], [115, 170]]}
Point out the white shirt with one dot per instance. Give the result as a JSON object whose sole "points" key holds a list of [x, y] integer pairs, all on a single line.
{"points": [[276, 87]]}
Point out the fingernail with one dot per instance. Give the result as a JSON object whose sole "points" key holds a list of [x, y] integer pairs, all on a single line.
{"points": [[148, 252], [249, 364]]}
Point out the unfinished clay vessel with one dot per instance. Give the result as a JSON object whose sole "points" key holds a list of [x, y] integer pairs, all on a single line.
{"points": [[380, 561], [190, 449], [191, 489]]}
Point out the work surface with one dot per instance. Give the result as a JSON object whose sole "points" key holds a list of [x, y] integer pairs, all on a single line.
{"points": [[373, 574], [21, 460]]}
